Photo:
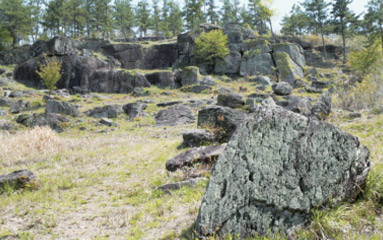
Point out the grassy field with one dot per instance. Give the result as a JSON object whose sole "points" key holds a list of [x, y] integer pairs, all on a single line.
{"points": [[101, 183]]}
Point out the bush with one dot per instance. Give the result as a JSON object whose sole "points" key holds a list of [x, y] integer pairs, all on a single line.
{"points": [[211, 47], [50, 73], [363, 60]]}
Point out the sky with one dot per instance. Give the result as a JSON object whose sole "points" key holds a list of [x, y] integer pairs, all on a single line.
{"points": [[283, 8]]}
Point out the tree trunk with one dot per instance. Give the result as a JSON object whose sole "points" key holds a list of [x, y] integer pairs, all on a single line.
{"points": [[344, 41], [323, 42], [14, 38], [271, 28]]}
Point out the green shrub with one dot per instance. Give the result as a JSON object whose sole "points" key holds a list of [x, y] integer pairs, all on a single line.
{"points": [[50, 73], [363, 60], [211, 47]]}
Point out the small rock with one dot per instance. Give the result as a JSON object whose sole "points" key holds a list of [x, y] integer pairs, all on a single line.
{"points": [[261, 80], [18, 179], [108, 111], [3, 112], [134, 110], [196, 88], [107, 122], [197, 138], [5, 102], [231, 100], [354, 115], [19, 106], [167, 104], [16, 94], [174, 115], [208, 81], [282, 88], [195, 155], [322, 108], [7, 93], [175, 186], [53, 106], [2, 70]]}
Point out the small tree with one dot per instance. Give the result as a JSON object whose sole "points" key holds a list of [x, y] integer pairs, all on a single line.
{"points": [[50, 73], [211, 47]]}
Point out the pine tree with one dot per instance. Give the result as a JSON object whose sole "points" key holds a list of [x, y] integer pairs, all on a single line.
{"points": [[143, 17], [212, 16], [296, 23], [35, 7], [343, 16], [52, 19], [193, 14], [175, 18], [124, 17], [317, 11], [374, 20], [15, 18], [227, 12], [74, 17], [156, 17], [102, 16]]}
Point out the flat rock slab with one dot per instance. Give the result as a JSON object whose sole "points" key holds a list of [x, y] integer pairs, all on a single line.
{"points": [[276, 169], [177, 185], [194, 155], [17, 179], [174, 115]]}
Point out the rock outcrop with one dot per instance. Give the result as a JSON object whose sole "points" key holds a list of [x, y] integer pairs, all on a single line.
{"points": [[18, 179], [277, 168], [174, 115]]}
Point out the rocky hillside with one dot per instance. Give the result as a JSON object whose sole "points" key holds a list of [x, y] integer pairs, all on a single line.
{"points": [[142, 141]]}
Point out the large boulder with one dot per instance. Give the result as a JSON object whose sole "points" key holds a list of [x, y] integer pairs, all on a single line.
{"points": [[197, 138], [174, 115], [187, 76], [231, 100], [53, 106], [60, 46], [295, 52], [129, 55], [288, 70], [186, 44], [221, 121], [230, 65], [282, 88], [276, 169], [160, 56], [134, 110], [55, 121], [161, 79], [257, 63]]}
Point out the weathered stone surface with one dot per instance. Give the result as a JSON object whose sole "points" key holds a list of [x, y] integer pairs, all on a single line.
{"points": [[301, 105], [174, 115], [53, 120], [19, 106], [282, 88], [2, 70], [196, 88], [5, 102], [208, 81], [288, 70], [257, 64], [107, 122], [108, 111], [134, 110], [187, 76], [3, 112], [60, 46], [230, 65], [53, 106], [354, 115], [322, 108], [162, 79], [231, 100], [160, 56], [295, 52], [260, 80], [277, 168], [196, 138], [222, 120], [16, 55], [18, 179], [194, 155]]}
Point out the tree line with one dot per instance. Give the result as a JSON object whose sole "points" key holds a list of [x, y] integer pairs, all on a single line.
{"points": [[323, 18], [31, 20]]}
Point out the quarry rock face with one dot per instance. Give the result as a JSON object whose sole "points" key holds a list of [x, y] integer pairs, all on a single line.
{"points": [[276, 168]]}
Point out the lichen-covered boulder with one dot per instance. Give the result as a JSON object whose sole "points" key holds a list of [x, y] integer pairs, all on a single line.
{"points": [[275, 170], [322, 108], [161, 79], [295, 52], [187, 76], [288, 70], [282, 88], [231, 100], [134, 110], [107, 111]]}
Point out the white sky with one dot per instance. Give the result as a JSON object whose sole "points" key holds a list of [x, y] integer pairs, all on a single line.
{"points": [[283, 8]]}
